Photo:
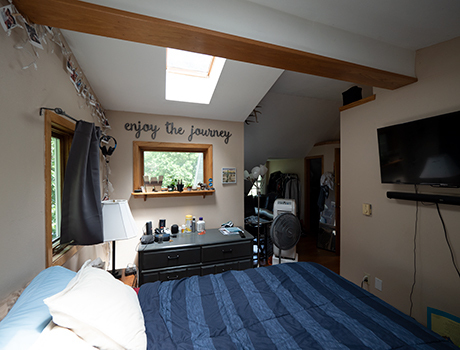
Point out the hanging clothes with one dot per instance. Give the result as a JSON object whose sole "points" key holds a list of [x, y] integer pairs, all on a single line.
{"points": [[81, 218], [326, 183]]}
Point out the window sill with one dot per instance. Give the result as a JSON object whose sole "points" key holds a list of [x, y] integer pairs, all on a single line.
{"points": [[62, 257], [165, 194]]}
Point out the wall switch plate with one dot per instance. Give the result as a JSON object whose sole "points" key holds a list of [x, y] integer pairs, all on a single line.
{"points": [[367, 209], [378, 284]]}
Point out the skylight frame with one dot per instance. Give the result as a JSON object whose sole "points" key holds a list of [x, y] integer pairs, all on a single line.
{"points": [[187, 71], [183, 84]]}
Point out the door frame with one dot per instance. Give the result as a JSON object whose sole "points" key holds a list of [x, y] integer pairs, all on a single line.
{"points": [[307, 167]]}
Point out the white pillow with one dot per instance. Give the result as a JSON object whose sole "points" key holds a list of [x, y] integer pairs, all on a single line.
{"points": [[101, 310], [54, 336]]}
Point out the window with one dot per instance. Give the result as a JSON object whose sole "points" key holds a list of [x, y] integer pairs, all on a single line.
{"points": [[58, 139], [256, 186], [185, 166], [191, 77], [56, 187], [191, 163]]}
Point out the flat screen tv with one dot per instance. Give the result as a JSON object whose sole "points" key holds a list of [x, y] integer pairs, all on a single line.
{"points": [[424, 151]]}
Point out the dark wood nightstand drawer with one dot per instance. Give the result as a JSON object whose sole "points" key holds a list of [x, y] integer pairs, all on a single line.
{"points": [[170, 258], [149, 277], [226, 267], [173, 275], [233, 265], [227, 251]]}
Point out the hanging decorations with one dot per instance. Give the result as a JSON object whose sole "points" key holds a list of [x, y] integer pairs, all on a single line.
{"points": [[253, 117], [37, 37]]}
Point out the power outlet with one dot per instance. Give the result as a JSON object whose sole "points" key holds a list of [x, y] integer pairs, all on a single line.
{"points": [[367, 209], [367, 278]]}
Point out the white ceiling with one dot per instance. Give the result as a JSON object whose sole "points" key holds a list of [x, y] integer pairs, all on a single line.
{"points": [[127, 76]]}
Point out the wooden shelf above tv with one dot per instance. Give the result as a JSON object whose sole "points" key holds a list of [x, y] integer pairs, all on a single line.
{"points": [[357, 103], [165, 194]]}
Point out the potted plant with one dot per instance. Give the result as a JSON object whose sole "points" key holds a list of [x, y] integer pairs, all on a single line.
{"points": [[172, 186], [189, 186]]}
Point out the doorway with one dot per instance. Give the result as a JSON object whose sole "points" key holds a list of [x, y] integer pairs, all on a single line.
{"points": [[313, 170]]}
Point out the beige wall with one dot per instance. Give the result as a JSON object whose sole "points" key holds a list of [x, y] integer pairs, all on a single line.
{"points": [[22, 185], [382, 244], [225, 204]]}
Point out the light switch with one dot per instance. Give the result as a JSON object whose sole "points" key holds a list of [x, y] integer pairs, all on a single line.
{"points": [[378, 284], [367, 209]]}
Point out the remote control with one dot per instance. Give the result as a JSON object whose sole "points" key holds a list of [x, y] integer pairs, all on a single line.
{"points": [[242, 234]]}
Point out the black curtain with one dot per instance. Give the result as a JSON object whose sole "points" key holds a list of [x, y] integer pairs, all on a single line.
{"points": [[81, 218]]}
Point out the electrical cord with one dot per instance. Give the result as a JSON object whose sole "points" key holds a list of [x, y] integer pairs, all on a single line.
{"points": [[365, 279], [447, 240]]}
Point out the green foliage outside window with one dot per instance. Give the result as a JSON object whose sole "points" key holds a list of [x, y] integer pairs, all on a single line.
{"points": [[185, 166], [55, 187]]}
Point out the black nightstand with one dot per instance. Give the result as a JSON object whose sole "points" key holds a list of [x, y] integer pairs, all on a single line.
{"points": [[191, 254]]}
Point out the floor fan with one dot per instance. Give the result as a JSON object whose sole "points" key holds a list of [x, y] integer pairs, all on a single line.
{"points": [[285, 232]]}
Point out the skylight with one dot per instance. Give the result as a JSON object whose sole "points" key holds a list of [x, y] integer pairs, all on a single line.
{"points": [[191, 77]]}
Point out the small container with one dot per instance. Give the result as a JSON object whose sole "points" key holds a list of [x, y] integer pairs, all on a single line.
{"points": [[188, 223], [200, 225], [193, 224], [182, 229]]}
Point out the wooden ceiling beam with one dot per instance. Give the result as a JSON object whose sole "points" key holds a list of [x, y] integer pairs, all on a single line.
{"points": [[108, 22]]}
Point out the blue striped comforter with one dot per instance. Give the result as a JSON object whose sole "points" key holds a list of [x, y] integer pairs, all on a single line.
{"points": [[288, 306]]}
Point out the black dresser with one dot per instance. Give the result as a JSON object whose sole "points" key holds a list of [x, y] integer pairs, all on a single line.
{"points": [[191, 254]]}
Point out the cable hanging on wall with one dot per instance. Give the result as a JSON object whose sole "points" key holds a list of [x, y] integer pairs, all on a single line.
{"points": [[107, 151]]}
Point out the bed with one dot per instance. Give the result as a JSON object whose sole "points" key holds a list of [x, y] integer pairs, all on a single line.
{"points": [[288, 306]]}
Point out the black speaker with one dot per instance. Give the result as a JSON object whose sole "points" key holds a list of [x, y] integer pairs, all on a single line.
{"points": [[429, 198], [148, 228]]}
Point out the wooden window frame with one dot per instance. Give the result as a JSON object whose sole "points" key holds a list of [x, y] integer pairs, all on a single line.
{"points": [[58, 125], [139, 147]]}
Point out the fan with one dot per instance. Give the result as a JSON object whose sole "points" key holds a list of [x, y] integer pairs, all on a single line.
{"points": [[285, 232]]}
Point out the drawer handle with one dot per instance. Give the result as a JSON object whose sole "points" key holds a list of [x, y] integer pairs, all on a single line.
{"points": [[173, 257], [173, 277], [227, 251]]}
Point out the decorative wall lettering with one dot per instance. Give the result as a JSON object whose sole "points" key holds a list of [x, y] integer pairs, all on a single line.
{"points": [[171, 129], [138, 128], [209, 133]]}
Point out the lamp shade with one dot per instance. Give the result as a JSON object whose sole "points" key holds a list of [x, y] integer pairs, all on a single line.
{"points": [[118, 222]]}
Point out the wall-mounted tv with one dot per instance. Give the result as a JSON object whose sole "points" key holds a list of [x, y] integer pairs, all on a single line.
{"points": [[424, 151]]}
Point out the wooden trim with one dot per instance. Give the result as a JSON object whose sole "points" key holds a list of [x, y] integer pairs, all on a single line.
{"points": [[164, 194], [338, 200], [99, 20], [323, 143], [53, 120], [357, 103], [138, 161]]}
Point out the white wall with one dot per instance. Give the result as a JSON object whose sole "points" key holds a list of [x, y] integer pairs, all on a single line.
{"points": [[224, 205], [22, 185], [382, 244]]}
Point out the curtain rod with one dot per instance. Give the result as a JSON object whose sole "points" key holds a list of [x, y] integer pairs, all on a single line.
{"points": [[57, 111]]}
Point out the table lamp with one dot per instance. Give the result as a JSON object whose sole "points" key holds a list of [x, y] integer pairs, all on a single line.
{"points": [[118, 224]]}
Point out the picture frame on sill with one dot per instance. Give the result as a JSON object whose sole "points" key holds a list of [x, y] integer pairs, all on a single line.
{"points": [[228, 176]]}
